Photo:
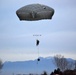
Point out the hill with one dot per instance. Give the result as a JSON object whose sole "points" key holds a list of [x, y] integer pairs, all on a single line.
{"points": [[31, 66]]}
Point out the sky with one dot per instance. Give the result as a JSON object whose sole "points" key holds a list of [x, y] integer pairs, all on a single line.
{"points": [[58, 36]]}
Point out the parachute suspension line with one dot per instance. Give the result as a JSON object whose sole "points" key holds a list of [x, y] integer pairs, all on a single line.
{"points": [[37, 44], [38, 51], [38, 54]]}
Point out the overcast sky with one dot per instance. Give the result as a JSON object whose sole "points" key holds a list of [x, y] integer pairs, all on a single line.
{"points": [[17, 42]]}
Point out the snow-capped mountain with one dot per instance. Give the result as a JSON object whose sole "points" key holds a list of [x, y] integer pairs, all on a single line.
{"points": [[27, 67]]}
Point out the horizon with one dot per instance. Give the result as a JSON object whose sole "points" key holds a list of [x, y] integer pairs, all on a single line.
{"points": [[49, 57]]}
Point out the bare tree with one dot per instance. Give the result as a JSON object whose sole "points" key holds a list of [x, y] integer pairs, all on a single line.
{"points": [[61, 62], [1, 64]]}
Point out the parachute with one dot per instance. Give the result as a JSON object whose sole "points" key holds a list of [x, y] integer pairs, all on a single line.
{"points": [[34, 12]]}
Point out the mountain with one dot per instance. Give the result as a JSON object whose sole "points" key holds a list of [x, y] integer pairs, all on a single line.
{"points": [[27, 67]]}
